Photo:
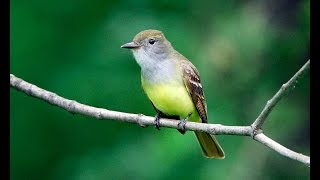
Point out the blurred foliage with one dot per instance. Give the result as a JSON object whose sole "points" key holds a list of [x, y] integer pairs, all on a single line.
{"points": [[244, 50]]}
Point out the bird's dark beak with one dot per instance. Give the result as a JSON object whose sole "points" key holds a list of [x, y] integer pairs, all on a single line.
{"points": [[130, 45]]}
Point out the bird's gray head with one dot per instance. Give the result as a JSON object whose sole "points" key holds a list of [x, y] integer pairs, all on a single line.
{"points": [[155, 55], [150, 43]]}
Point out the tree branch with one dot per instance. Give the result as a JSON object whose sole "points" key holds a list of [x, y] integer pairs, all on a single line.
{"points": [[218, 129], [285, 88], [100, 113]]}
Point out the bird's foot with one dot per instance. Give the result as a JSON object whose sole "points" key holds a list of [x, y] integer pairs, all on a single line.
{"points": [[182, 124], [157, 121]]}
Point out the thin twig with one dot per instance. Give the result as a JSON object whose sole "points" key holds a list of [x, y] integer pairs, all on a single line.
{"points": [[275, 99], [281, 149]]}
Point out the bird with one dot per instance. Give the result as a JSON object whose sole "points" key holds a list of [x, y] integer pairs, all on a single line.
{"points": [[172, 84]]}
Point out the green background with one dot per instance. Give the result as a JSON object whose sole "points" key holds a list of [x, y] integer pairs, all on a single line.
{"points": [[244, 51]]}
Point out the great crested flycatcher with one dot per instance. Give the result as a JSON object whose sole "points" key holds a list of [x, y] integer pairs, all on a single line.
{"points": [[172, 83]]}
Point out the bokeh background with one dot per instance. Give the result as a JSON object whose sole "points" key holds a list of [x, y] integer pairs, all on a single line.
{"points": [[244, 50]]}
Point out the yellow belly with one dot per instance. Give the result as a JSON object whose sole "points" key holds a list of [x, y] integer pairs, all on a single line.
{"points": [[170, 99]]}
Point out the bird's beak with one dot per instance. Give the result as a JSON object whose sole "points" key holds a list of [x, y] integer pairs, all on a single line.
{"points": [[130, 45]]}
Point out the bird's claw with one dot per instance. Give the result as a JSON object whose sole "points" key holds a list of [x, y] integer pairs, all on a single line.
{"points": [[182, 124], [157, 121]]}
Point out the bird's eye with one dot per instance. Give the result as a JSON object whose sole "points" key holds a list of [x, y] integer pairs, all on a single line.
{"points": [[152, 41]]}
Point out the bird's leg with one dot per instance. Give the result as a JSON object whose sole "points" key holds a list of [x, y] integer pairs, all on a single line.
{"points": [[162, 115], [157, 120], [182, 124]]}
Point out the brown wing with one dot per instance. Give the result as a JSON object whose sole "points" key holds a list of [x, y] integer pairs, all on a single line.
{"points": [[192, 82]]}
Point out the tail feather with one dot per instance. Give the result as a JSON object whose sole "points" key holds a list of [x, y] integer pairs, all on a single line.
{"points": [[209, 145]]}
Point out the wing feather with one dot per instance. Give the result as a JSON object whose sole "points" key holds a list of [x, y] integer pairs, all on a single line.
{"points": [[192, 82]]}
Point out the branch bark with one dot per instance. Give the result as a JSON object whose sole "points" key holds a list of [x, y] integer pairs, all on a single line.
{"points": [[217, 129]]}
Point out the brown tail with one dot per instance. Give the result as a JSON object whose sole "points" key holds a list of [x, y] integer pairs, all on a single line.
{"points": [[209, 145]]}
